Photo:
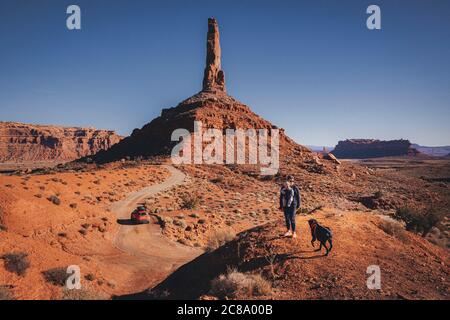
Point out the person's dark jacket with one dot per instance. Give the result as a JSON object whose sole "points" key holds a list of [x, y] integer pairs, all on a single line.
{"points": [[297, 197]]}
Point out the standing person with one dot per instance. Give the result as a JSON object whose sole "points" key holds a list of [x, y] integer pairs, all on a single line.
{"points": [[288, 203]]}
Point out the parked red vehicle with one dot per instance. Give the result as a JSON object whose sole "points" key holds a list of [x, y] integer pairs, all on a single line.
{"points": [[140, 215]]}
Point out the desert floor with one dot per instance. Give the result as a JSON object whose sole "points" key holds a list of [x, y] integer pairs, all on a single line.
{"points": [[81, 217]]}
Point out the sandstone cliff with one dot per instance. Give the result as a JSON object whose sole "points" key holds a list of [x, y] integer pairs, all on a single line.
{"points": [[21, 142], [371, 148]]}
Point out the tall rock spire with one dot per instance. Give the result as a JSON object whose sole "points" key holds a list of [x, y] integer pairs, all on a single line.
{"points": [[214, 78]]}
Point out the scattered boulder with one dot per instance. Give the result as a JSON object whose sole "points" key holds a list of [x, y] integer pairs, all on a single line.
{"points": [[332, 157]]}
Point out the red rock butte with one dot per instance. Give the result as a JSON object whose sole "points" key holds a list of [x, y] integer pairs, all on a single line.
{"points": [[212, 106]]}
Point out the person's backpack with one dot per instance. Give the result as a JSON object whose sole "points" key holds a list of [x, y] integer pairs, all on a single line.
{"points": [[297, 196]]}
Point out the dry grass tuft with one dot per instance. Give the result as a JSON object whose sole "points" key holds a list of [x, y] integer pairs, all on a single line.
{"points": [[393, 228], [218, 239], [236, 284]]}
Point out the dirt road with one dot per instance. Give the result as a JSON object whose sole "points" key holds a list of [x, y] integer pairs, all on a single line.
{"points": [[150, 257]]}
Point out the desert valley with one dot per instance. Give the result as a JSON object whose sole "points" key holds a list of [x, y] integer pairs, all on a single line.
{"points": [[216, 230]]}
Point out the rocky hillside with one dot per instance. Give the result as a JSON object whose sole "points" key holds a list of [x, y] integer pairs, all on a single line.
{"points": [[411, 267], [371, 148], [21, 142]]}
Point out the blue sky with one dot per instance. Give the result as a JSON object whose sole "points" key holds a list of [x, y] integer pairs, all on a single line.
{"points": [[311, 67]]}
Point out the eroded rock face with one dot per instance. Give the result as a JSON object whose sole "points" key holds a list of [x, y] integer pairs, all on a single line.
{"points": [[218, 111], [214, 78], [21, 142], [371, 148]]}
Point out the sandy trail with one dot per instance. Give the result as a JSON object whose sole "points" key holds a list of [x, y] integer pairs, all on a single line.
{"points": [[149, 256]]}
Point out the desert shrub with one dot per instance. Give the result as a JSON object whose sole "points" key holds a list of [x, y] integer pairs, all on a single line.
{"points": [[90, 277], [180, 223], [439, 238], [393, 228], [218, 239], [54, 200], [5, 293], [73, 205], [16, 262], [164, 221], [81, 294], [56, 276], [417, 221], [3, 227], [189, 202], [235, 284], [378, 195], [218, 179]]}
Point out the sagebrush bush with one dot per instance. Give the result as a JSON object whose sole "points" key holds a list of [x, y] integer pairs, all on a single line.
{"points": [[55, 200], [90, 277], [189, 202], [378, 195], [416, 221], [218, 239], [218, 179], [56, 276], [16, 262], [5, 293], [235, 284]]}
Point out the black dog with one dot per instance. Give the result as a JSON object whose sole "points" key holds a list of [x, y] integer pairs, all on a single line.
{"points": [[323, 234]]}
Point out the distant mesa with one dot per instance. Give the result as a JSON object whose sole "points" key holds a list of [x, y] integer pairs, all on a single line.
{"points": [[212, 106], [372, 148], [440, 151], [20, 142]]}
